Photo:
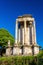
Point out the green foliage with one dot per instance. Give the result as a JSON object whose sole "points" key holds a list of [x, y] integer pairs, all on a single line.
{"points": [[17, 60], [21, 60], [40, 57], [5, 36]]}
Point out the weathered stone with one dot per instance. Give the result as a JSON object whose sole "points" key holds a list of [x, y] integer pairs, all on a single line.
{"points": [[8, 51], [17, 50], [36, 50], [25, 37], [27, 50]]}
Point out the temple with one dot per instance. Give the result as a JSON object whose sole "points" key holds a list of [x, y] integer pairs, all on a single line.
{"points": [[25, 36]]}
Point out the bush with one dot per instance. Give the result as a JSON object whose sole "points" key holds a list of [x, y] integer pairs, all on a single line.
{"points": [[17, 60]]}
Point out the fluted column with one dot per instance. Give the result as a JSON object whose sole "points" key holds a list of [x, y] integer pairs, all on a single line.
{"points": [[34, 33], [19, 34], [30, 32], [16, 32], [23, 36], [28, 35], [25, 32]]}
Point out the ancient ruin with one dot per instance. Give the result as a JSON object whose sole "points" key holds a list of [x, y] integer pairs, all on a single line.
{"points": [[25, 37]]}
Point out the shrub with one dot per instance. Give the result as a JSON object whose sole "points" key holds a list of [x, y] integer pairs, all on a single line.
{"points": [[18, 60]]}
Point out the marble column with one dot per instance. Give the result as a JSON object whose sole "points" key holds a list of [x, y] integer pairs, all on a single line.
{"points": [[23, 35], [28, 35], [19, 35], [25, 32], [16, 32], [34, 33]]}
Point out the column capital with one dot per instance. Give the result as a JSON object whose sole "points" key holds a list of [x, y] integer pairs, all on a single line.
{"points": [[24, 19], [16, 20], [30, 24]]}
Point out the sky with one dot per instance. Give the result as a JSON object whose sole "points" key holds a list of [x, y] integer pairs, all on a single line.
{"points": [[11, 9]]}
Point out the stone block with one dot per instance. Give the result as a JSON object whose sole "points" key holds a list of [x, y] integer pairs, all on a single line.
{"points": [[8, 51], [36, 50], [17, 51], [27, 51]]}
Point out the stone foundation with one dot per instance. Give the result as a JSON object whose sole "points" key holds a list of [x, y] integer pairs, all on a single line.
{"points": [[17, 50], [36, 50], [22, 50], [8, 51], [27, 50]]}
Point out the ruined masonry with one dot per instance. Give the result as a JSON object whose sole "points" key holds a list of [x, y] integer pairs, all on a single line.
{"points": [[25, 37]]}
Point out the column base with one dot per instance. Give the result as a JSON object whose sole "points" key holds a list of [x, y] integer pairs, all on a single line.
{"points": [[27, 50], [17, 50], [8, 51], [36, 49]]}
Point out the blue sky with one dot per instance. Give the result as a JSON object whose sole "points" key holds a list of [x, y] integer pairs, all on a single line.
{"points": [[11, 9]]}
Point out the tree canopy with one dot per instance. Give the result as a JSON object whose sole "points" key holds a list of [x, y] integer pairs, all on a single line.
{"points": [[5, 36]]}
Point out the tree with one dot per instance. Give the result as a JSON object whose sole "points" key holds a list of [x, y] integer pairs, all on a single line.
{"points": [[5, 36]]}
